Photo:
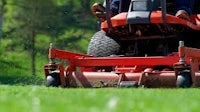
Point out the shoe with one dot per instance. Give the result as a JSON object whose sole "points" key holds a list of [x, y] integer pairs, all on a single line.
{"points": [[183, 15], [99, 11]]}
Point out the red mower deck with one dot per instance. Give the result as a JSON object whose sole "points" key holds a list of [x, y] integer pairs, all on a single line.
{"points": [[128, 71]]}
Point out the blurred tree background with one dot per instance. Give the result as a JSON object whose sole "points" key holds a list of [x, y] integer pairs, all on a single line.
{"points": [[27, 27]]}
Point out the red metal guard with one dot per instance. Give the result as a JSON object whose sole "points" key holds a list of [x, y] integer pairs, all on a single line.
{"points": [[125, 68]]}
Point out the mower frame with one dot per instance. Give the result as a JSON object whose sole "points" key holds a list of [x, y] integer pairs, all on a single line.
{"points": [[79, 72]]}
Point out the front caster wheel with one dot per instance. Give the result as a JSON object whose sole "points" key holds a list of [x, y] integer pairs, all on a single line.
{"points": [[53, 79], [184, 80]]}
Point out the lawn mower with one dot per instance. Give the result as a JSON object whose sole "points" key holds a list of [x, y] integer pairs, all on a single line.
{"points": [[147, 46]]}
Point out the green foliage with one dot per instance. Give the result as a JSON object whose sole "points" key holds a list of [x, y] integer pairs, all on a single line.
{"points": [[27, 16], [73, 39], [15, 63], [16, 68], [63, 23], [50, 18], [42, 44]]}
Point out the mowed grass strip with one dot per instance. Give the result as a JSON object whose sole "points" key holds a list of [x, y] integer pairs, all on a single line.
{"points": [[44, 99]]}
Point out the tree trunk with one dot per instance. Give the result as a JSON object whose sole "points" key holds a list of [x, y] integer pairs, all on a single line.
{"points": [[1, 16], [33, 35], [33, 52]]}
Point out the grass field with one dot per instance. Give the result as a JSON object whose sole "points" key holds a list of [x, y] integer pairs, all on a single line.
{"points": [[43, 99]]}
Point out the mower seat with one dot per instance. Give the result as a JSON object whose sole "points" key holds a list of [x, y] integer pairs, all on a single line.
{"points": [[140, 10]]}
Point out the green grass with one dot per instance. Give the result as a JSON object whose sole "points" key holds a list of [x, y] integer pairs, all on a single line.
{"points": [[15, 66], [18, 72], [43, 99]]}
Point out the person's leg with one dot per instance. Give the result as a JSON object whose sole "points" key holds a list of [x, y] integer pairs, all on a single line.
{"points": [[186, 5], [184, 8], [125, 5], [115, 6]]}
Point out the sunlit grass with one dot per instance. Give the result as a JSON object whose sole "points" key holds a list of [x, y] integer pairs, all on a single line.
{"points": [[40, 99]]}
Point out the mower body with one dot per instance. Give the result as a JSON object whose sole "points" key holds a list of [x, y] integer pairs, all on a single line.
{"points": [[147, 46]]}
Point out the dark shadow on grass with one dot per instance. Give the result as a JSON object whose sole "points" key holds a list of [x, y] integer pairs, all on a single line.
{"points": [[21, 80]]}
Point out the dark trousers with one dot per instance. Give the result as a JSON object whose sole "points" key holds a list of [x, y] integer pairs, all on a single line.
{"points": [[115, 6], [186, 5]]}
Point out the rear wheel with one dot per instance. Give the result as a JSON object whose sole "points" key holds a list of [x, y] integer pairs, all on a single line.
{"points": [[102, 46]]}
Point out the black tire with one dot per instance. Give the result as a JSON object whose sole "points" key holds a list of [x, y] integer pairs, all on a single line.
{"points": [[53, 79], [102, 45], [184, 80]]}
